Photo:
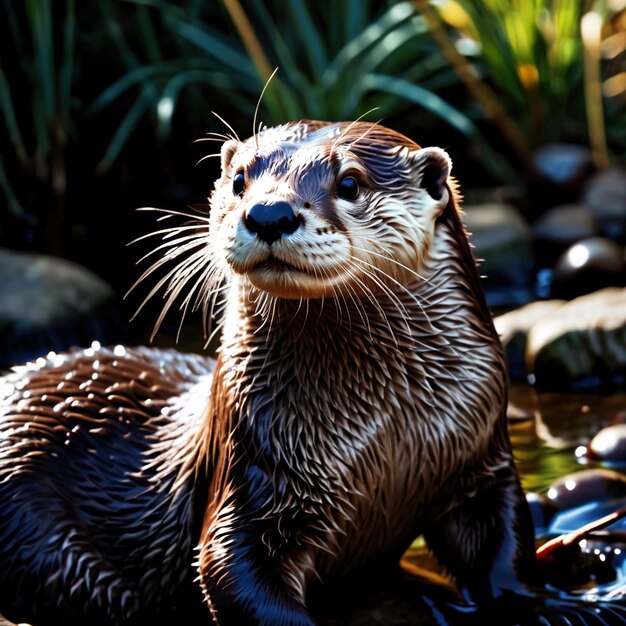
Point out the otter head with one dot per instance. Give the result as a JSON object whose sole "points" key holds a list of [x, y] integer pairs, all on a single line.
{"points": [[313, 209]]}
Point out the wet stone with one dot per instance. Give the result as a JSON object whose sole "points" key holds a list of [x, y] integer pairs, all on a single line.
{"points": [[585, 487], [571, 520], [542, 510], [580, 345], [513, 328], [609, 445], [587, 266], [559, 172], [605, 195], [502, 244], [559, 228], [50, 303]]}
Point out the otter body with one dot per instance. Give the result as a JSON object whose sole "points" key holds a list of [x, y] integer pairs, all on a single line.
{"points": [[92, 523], [357, 401]]}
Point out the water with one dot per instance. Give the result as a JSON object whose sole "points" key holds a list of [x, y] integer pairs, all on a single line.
{"points": [[545, 443]]}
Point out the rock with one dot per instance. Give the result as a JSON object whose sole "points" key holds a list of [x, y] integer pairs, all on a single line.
{"points": [[586, 487], [542, 510], [50, 304], [501, 239], [580, 345], [559, 171], [609, 445], [559, 228], [513, 328], [605, 195], [587, 266]]}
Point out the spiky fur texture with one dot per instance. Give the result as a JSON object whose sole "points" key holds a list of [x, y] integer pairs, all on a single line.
{"points": [[358, 400]]}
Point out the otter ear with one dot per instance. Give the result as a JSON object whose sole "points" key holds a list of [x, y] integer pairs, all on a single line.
{"points": [[432, 166], [228, 151]]}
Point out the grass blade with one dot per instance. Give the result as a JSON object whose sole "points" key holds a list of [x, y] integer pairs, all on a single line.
{"points": [[310, 36], [14, 206], [10, 120], [124, 130], [67, 66]]}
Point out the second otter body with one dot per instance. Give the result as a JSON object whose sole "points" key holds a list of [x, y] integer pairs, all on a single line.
{"points": [[358, 400]]}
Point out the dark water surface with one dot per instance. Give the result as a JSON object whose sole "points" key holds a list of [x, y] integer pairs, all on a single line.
{"points": [[557, 426]]}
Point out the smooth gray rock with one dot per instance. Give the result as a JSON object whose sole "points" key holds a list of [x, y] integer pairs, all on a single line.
{"points": [[560, 227], [48, 303], [605, 195], [587, 266], [609, 445], [582, 344], [513, 328]]}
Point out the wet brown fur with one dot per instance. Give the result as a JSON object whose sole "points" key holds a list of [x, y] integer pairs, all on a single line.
{"points": [[338, 426]]}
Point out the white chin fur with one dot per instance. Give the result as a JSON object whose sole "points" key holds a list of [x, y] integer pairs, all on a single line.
{"points": [[293, 285]]}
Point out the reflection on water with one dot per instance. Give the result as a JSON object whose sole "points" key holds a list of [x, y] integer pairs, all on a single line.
{"points": [[556, 425]]}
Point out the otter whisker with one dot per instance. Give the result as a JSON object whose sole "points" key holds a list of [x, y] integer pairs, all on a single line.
{"points": [[412, 296], [393, 297], [177, 276], [217, 138], [168, 212], [167, 233], [148, 272], [213, 285], [374, 302], [325, 273], [258, 104], [417, 296], [358, 305], [389, 258], [232, 130], [272, 317], [183, 274], [408, 292], [175, 247], [214, 155], [369, 296], [349, 128], [209, 313], [364, 134], [200, 268]]}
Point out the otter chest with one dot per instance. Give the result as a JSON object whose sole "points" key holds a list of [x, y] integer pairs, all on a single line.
{"points": [[351, 425]]}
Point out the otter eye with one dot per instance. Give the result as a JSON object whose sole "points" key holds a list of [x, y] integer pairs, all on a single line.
{"points": [[239, 183], [348, 188]]}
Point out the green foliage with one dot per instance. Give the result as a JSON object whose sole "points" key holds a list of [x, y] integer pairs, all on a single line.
{"points": [[45, 58], [168, 62], [340, 62], [532, 54]]}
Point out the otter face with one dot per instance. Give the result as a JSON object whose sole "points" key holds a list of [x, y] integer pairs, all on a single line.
{"points": [[313, 209]]}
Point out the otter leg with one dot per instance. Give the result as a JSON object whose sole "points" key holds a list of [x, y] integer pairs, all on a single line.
{"points": [[253, 592], [247, 554], [487, 542]]}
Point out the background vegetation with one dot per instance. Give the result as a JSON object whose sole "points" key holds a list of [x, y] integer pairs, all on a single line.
{"points": [[101, 100]]}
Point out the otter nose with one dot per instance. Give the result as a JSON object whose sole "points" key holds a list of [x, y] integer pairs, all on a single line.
{"points": [[270, 221]]}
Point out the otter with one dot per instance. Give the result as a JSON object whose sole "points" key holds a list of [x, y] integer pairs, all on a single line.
{"points": [[357, 401]]}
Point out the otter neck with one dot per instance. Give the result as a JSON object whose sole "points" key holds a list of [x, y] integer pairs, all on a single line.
{"points": [[399, 316], [436, 326]]}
